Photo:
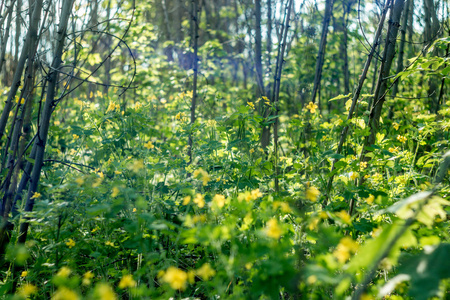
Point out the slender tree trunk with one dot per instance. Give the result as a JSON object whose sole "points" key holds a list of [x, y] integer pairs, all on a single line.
{"points": [[355, 98], [44, 125], [322, 48], [30, 42], [258, 49], [5, 38], [195, 10]]}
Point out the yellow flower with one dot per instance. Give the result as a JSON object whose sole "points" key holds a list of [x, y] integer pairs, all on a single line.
{"points": [[75, 136], [206, 272], [370, 199], [203, 175], [199, 200], [273, 230], [393, 149], [134, 209], [344, 216], [284, 206], [323, 215], [87, 278], [354, 175], [362, 165], [313, 223], [256, 194], [79, 181], [137, 105], [103, 291], [252, 106], [109, 243], [36, 195], [401, 138], [64, 272], [64, 293], [252, 151], [311, 279], [186, 200], [127, 281], [312, 193], [149, 145], [178, 116], [91, 94], [24, 274], [115, 192], [112, 107], [345, 248], [366, 297], [395, 125], [27, 289], [176, 278], [70, 243], [219, 200], [312, 107]]}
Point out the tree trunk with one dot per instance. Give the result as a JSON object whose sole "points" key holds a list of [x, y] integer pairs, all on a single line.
{"points": [[322, 48]]}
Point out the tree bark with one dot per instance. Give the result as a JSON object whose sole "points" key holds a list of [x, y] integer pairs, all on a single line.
{"points": [[322, 48]]}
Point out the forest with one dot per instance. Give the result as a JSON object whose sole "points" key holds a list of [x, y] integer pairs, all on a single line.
{"points": [[224, 149]]}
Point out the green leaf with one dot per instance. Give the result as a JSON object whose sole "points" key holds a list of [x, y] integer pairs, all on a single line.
{"points": [[340, 97]]}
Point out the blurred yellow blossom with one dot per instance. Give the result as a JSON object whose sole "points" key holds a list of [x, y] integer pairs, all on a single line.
{"points": [[199, 200], [395, 125], [219, 200], [256, 194], [312, 107], [87, 278], [176, 278], [127, 281], [401, 138], [75, 136], [24, 274], [251, 105], [370, 199], [354, 175], [115, 192], [64, 293], [27, 289], [344, 216], [64, 272], [70, 243], [273, 229], [149, 145], [203, 175], [345, 248], [36, 195], [362, 165], [206, 272], [109, 243], [186, 200], [104, 291], [285, 208], [312, 193], [112, 107]]}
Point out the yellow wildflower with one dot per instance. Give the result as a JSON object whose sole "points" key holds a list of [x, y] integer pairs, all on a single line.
{"points": [[366, 297], [127, 281], [354, 175], [199, 200], [27, 289], [75, 136], [134, 209], [112, 107], [24, 274], [109, 243], [401, 138], [252, 151], [393, 149], [137, 105], [91, 94], [103, 291], [252, 106], [256, 194], [370, 199], [219, 200], [186, 200], [64, 293], [87, 278], [64, 272], [36, 195], [395, 125], [362, 165], [79, 181], [283, 205], [149, 145], [178, 116], [203, 175], [323, 215], [312, 107], [345, 248], [344, 216], [313, 223], [191, 276], [312, 193], [70, 243], [273, 230], [175, 277], [115, 192], [206, 272]]}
